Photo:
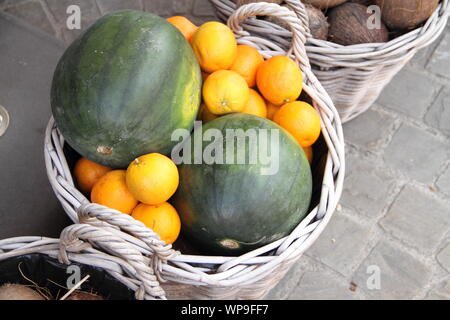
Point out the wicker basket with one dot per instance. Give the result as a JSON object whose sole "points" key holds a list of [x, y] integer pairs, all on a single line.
{"points": [[94, 247], [354, 76], [249, 276]]}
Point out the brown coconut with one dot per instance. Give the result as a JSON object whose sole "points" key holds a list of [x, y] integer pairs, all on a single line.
{"points": [[318, 23], [348, 26], [242, 2], [324, 4], [406, 14], [11, 291]]}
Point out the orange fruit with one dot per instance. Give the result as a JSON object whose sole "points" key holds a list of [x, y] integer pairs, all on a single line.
{"points": [[308, 153], [161, 218], [271, 110], [301, 120], [225, 91], [87, 173], [279, 80], [111, 191], [214, 46], [247, 61], [206, 115], [255, 105], [152, 178], [186, 27]]}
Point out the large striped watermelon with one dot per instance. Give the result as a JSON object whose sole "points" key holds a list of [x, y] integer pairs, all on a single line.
{"points": [[236, 206], [124, 86]]}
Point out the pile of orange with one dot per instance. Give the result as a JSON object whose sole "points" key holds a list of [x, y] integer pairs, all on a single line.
{"points": [[142, 190], [236, 78]]}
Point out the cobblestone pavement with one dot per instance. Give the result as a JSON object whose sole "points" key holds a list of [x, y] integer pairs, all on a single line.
{"points": [[394, 217]]}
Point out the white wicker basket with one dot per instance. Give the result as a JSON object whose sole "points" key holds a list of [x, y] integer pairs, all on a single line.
{"points": [[354, 76], [96, 247], [249, 276]]}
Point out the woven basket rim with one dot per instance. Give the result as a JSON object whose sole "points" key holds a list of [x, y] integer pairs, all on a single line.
{"points": [[52, 130], [136, 274], [226, 271]]}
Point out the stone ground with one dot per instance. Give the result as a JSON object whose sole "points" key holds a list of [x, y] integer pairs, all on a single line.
{"points": [[390, 238]]}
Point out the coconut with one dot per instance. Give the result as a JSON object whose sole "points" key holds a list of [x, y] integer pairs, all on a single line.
{"points": [[242, 2], [406, 14], [324, 4], [348, 26], [318, 23], [11, 291]]}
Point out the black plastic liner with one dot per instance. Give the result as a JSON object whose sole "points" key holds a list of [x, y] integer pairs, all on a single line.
{"points": [[49, 273]]}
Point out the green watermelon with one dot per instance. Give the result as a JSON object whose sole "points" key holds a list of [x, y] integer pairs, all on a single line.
{"points": [[232, 207], [123, 87]]}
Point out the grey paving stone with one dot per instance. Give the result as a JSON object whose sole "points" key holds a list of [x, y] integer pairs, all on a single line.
{"points": [[440, 61], [418, 218], [439, 114], [8, 3], [107, 6], [32, 13], [341, 244], [443, 182], [444, 258], [89, 14], [416, 153], [321, 285], [282, 290], [421, 57], [163, 8], [203, 8], [368, 130], [367, 187], [440, 292], [28, 205], [401, 275], [410, 92], [424, 55], [182, 7]]}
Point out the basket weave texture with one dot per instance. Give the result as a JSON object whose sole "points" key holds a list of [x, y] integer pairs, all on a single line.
{"points": [[354, 76], [96, 247], [251, 275]]}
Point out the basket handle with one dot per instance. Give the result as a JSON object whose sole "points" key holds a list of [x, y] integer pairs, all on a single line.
{"points": [[77, 237], [100, 216], [299, 8], [299, 27]]}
